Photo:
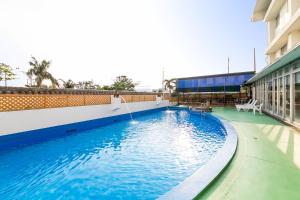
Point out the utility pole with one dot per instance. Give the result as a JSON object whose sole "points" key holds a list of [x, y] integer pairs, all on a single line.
{"points": [[5, 81], [163, 79], [254, 60], [228, 64], [162, 82]]}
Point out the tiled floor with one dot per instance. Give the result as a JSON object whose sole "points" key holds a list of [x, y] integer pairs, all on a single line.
{"points": [[266, 164]]}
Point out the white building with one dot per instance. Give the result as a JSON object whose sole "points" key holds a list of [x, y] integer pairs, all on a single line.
{"points": [[277, 86]]}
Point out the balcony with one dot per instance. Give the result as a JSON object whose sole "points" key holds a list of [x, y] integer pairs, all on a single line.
{"points": [[274, 9], [281, 34]]}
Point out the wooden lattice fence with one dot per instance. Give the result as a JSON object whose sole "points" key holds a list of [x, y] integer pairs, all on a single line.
{"points": [[15, 102]]}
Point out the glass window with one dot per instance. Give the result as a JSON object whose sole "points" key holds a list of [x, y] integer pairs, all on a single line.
{"points": [[275, 95], [269, 85], [297, 97], [286, 70], [287, 97], [296, 66], [264, 94], [283, 49], [280, 96]]}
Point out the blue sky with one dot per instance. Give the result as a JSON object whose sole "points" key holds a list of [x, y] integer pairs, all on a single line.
{"points": [[99, 40]]}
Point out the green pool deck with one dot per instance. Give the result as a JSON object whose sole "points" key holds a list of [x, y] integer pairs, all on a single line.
{"points": [[266, 164]]}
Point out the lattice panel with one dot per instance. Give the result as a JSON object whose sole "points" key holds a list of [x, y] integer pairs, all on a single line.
{"points": [[150, 98], [75, 100], [13, 102], [20, 102], [97, 99], [142, 98], [135, 98], [138, 98], [128, 98], [55, 101]]}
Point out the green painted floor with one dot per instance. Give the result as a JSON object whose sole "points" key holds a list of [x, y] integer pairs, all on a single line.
{"points": [[266, 164]]}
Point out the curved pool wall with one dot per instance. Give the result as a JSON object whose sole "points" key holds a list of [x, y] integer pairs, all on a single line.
{"points": [[188, 189], [192, 186], [123, 160], [32, 126]]}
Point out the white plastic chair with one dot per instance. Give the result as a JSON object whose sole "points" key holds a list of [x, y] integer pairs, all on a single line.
{"points": [[251, 106], [238, 106], [244, 106], [258, 108]]}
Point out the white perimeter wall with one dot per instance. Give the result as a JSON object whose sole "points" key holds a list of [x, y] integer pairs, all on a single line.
{"points": [[20, 121]]}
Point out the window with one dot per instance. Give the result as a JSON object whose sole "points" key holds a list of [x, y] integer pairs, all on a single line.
{"points": [[282, 16], [287, 96], [283, 49], [280, 96], [275, 95], [269, 93], [297, 97]]}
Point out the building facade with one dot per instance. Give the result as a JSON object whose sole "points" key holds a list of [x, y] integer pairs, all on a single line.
{"points": [[217, 89], [277, 86]]}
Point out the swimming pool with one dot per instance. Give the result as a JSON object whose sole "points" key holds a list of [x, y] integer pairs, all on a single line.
{"points": [[140, 159]]}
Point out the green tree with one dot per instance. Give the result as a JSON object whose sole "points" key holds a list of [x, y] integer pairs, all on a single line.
{"points": [[39, 72], [69, 84], [123, 83], [170, 85], [87, 85], [106, 87], [6, 73]]}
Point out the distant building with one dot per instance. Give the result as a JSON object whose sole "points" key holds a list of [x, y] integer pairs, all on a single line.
{"points": [[277, 86], [218, 88]]}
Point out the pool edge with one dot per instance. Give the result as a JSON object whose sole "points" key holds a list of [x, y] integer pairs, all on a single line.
{"points": [[29, 137], [193, 185]]}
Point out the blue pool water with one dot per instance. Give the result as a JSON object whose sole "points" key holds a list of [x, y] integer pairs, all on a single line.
{"points": [[123, 160]]}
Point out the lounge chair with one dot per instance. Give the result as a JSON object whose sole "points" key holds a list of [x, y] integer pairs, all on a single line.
{"points": [[247, 107], [258, 108], [240, 106]]}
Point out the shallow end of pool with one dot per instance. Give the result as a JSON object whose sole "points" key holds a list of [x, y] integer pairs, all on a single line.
{"points": [[198, 181]]}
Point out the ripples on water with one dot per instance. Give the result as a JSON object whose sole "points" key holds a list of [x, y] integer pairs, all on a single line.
{"points": [[140, 159]]}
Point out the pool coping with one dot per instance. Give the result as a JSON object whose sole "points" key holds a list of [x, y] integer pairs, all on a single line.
{"points": [[193, 185]]}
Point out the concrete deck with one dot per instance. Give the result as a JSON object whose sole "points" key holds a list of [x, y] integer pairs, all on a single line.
{"points": [[266, 164]]}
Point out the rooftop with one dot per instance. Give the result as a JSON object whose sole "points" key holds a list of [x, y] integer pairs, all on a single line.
{"points": [[217, 75]]}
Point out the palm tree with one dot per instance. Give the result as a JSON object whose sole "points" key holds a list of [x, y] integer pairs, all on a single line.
{"points": [[170, 84], [69, 84], [39, 72]]}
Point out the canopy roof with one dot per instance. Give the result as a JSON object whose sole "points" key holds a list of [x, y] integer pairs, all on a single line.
{"points": [[288, 58]]}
